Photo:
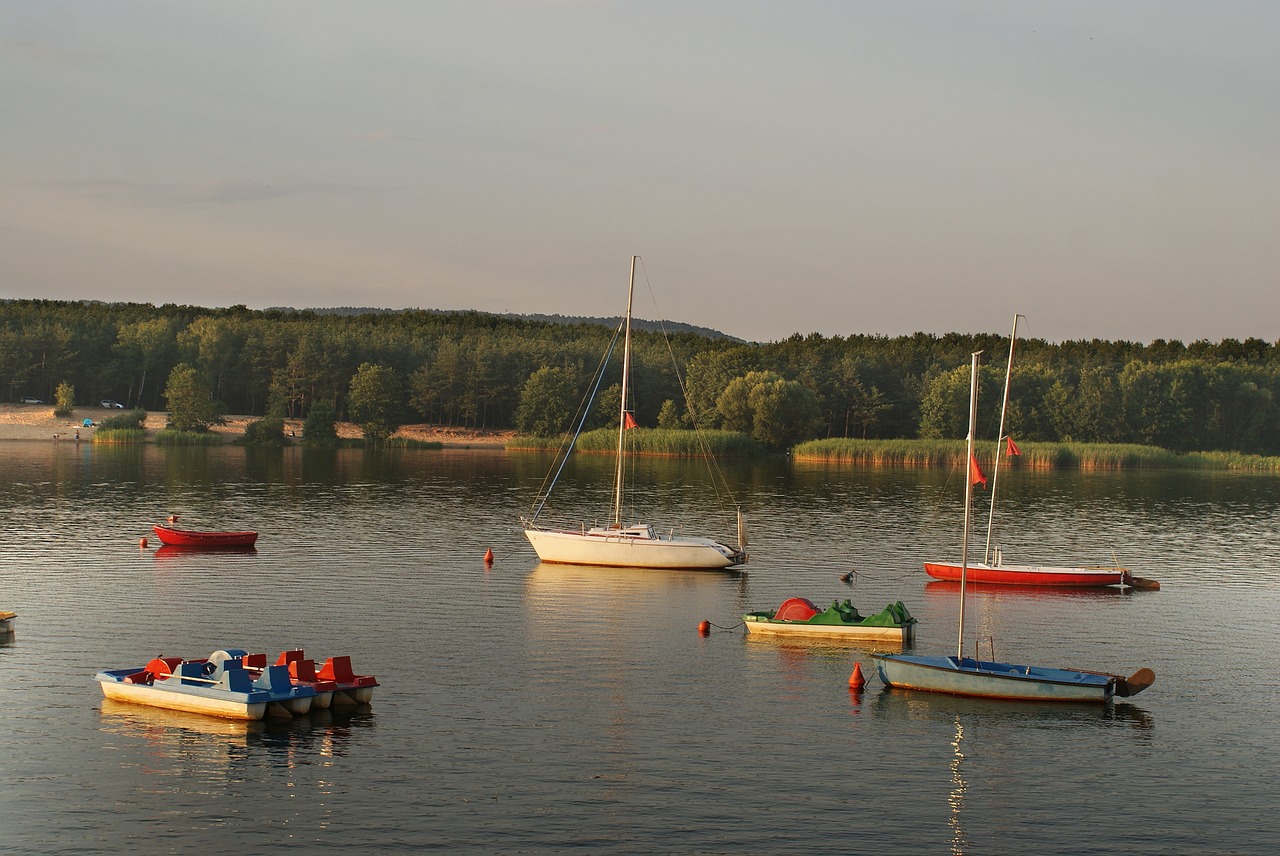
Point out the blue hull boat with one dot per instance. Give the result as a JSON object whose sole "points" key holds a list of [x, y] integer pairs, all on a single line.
{"points": [[987, 679], [965, 676]]}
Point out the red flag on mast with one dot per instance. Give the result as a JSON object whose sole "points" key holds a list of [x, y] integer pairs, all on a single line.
{"points": [[976, 476], [1011, 447], [629, 421]]}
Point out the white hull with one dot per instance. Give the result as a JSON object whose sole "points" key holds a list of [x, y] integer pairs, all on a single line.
{"points": [[354, 695], [627, 551], [829, 631], [992, 680], [143, 694]]}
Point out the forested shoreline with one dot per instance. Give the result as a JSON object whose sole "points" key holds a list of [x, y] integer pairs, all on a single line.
{"points": [[476, 370]]}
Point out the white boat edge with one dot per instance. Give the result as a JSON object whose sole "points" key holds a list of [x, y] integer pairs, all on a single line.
{"points": [[170, 700], [765, 627]]}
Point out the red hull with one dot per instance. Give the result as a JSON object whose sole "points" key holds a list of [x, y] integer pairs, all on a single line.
{"points": [[186, 538], [1029, 575]]}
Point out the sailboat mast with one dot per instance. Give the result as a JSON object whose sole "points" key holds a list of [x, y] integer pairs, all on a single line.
{"points": [[995, 470], [968, 494], [622, 415]]}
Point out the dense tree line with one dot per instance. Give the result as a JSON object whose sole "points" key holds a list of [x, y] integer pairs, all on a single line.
{"points": [[478, 370]]}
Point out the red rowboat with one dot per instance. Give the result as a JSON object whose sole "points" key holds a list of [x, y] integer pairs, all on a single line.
{"points": [[1030, 575], [173, 537]]}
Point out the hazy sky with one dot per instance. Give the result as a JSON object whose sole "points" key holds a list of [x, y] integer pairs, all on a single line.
{"points": [[1109, 169]]}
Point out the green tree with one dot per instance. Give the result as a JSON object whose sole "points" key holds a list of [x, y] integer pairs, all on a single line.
{"points": [[777, 412], [264, 432], [375, 399], [608, 408], [546, 402], [64, 399], [1098, 408], [734, 403], [784, 413], [145, 343], [320, 427], [944, 409], [212, 344], [1028, 417], [1242, 412], [1156, 405], [669, 416], [709, 374], [191, 405]]}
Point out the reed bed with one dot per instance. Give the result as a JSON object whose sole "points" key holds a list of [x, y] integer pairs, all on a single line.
{"points": [[651, 441], [1083, 456], [408, 443], [1235, 461], [119, 436], [174, 437], [881, 453]]}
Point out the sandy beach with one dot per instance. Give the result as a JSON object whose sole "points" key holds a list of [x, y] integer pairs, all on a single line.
{"points": [[37, 422]]}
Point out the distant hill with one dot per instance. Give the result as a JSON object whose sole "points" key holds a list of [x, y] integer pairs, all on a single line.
{"points": [[672, 327]]}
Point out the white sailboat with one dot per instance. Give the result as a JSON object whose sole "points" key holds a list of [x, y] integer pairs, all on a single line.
{"points": [[969, 676], [993, 569], [633, 545]]}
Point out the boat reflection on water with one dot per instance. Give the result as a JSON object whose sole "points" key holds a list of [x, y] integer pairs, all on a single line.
{"points": [[213, 745], [125, 718], [924, 705], [615, 603], [649, 579], [172, 552], [934, 588], [548, 582], [955, 797], [995, 720]]}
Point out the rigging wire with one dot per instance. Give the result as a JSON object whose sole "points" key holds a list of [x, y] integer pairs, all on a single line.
{"points": [[580, 418], [718, 479]]}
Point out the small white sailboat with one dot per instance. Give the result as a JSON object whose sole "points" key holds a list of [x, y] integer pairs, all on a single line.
{"points": [[969, 676], [633, 545], [993, 569]]}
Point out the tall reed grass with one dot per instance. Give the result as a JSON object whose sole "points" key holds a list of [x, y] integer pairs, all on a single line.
{"points": [[119, 436], [408, 443], [1083, 456], [651, 441], [174, 437]]}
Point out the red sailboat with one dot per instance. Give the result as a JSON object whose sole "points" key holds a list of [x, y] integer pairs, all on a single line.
{"points": [[992, 569]]}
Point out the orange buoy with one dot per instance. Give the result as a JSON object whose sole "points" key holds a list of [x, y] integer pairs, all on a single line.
{"points": [[142, 542], [856, 681], [704, 627], [488, 556]]}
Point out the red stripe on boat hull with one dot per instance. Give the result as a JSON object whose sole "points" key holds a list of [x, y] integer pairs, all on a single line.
{"points": [[1027, 576]]}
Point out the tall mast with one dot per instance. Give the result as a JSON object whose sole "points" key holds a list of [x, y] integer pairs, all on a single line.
{"points": [[622, 415], [968, 494], [995, 470]]}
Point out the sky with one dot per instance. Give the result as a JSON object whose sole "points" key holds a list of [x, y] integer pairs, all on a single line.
{"points": [[1110, 170]]}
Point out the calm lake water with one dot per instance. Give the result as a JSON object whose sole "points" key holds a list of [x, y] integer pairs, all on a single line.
{"points": [[529, 708]]}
